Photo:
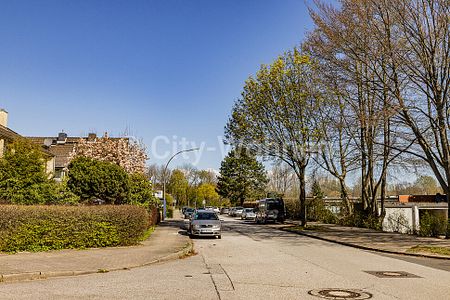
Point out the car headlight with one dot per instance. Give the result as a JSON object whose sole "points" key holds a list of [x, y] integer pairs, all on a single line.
{"points": [[196, 226], [216, 226]]}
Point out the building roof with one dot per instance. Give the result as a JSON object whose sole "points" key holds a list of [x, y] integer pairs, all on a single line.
{"points": [[60, 151], [63, 150], [8, 134]]}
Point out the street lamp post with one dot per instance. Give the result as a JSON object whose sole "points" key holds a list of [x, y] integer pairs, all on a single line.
{"points": [[164, 179]]}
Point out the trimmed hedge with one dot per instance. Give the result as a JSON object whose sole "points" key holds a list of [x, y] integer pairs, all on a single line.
{"points": [[41, 228]]}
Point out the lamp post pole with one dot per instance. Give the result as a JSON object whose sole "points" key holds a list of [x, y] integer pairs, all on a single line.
{"points": [[164, 179]]}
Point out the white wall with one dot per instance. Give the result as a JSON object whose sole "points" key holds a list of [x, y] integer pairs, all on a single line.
{"points": [[399, 219]]}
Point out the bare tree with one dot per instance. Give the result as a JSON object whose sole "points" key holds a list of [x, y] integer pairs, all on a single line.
{"points": [[281, 179]]}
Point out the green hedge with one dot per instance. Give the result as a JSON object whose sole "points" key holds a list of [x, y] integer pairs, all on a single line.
{"points": [[432, 225], [41, 228]]}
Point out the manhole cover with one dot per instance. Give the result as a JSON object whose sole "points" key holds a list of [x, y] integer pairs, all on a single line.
{"points": [[340, 294], [392, 274]]}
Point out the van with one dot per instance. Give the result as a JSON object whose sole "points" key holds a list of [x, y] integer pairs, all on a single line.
{"points": [[270, 209]]}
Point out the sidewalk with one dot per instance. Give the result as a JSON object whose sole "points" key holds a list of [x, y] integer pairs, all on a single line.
{"points": [[368, 239], [165, 243]]}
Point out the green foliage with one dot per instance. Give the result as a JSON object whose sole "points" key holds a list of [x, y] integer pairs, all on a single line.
{"points": [[169, 212], [316, 190], [317, 211], [178, 186], [207, 192], [362, 220], [41, 228], [277, 114], [242, 177], [141, 190], [90, 179], [432, 225], [430, 249], [23, 179]]}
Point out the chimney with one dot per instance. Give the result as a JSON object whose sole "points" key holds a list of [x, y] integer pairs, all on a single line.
{"points": [[92, 137], [3, 117], [62, 138]]}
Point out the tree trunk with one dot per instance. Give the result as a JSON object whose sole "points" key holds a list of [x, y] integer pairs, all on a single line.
{"points": [[302, 197], [344, 196]]}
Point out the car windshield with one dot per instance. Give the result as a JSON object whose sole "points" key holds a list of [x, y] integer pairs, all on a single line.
{"points": [[239, 208], [189, 210], [249, 210], [205, 216]]}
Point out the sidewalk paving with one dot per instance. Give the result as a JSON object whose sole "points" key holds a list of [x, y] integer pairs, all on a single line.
{"points": [[369, 239], [164, 243]]}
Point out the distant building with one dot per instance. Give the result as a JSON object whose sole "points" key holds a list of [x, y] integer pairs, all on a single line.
{"points": [[62, 147], [7, 136]]}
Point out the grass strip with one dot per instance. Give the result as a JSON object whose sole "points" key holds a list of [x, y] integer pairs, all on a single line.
{"points": [[430, 249]]}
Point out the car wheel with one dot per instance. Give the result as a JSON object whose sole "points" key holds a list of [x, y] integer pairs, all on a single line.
{"points": [[219, 237]]}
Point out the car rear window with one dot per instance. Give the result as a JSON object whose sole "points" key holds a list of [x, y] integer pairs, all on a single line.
{"points": [[205, 216]]}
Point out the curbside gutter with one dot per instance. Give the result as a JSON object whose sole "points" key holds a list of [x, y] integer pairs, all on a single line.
{"points": [[365, 247], [187, 250]]}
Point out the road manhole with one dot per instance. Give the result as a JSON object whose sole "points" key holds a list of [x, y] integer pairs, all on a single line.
{"points": [[340, 294], [392, 274]]}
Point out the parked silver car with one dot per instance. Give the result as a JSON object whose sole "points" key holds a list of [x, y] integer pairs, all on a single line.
{"points": [[205, 223], [248, 214], [238, 211]]}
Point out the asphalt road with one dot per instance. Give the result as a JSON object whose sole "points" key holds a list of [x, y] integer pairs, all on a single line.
{"points": [[254, 262]]}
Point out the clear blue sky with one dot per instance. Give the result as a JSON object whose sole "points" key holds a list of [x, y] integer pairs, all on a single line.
{"points": [[153, 68]]}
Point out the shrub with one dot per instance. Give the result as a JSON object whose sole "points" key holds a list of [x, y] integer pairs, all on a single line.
{"points": [[40, 228], [23, 179], [362, 220], [169, 212], [141, 191], [432, 225], [90, 178]]}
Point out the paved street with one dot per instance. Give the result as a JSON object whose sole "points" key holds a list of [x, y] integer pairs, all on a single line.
{"points": [[253, 262]]}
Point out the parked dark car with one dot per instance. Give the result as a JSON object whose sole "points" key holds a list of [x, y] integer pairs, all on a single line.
{"points": [[188, 211], [270, 209]]}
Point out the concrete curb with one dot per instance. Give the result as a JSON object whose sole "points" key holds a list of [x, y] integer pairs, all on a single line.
{"points": [[185, 251], [364, 247]]}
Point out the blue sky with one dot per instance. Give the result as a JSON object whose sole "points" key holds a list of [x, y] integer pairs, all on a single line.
{"points": [[165, 71]]}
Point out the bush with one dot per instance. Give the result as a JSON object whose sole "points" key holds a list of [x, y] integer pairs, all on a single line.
{"points": [[169, 212], [90, 179], [432, 225], [23, 179], [41, 228], [141, 191], [362, 220]]}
